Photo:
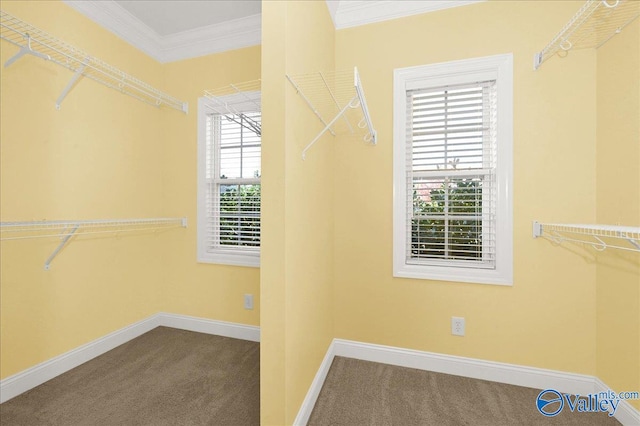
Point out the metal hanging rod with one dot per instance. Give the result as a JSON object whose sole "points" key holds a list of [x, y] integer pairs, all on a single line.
{"points": [[33, 41], [67, 229], [592, 26], [337, 99], [236, 100], [600, 237]]}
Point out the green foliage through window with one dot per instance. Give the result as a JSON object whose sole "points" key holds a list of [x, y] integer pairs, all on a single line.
{"points": [[240, 215], [447, 219]]}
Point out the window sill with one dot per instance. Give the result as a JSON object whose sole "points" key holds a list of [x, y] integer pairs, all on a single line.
{"points": [[234, 259], [456, 274]]}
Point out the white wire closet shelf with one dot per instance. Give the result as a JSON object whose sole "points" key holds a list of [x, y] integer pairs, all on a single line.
{"points": [[66, 229], [33, 41], [337, 99], [236, 100], [600, 237], [591, 27]]}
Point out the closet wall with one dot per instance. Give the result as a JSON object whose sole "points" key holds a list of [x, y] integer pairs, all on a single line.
{"points": [[95, 158], [198, 289], [105, 155], [618, 202], [547, 318], [296, 276], [327, 243]]}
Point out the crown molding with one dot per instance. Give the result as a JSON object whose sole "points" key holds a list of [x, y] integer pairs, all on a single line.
{"points": [[229, 35], [113, 17], [239, 33], [235, 34], [355, 13], [333, 6]]}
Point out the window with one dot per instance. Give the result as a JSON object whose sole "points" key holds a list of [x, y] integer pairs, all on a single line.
{"points": [[229, 170], [453, 171]]}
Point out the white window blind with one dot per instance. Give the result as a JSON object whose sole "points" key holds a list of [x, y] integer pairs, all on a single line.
{"points": [[232, 173], [453, 171], [451, 137]]}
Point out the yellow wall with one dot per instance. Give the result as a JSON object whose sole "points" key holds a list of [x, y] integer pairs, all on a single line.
{"points": [[547, 318], [198, 289], [618, 203], [95, 158], [326, 253], [297, 264], [105, 155], [273, 220]]}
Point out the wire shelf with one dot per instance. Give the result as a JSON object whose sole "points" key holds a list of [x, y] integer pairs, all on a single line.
{"points": [[236, 100], [38, 43], [66, 229], [592, 26], [600, 237], [337, 99]]}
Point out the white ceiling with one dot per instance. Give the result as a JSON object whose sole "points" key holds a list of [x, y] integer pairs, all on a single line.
{"points": [[170, 17], [172, 30]]}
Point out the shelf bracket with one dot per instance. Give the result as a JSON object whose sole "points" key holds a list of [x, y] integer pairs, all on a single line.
{"points": [[26, 50], [315, 111], [71, 83], [633, 243], [365, 109], [65, 240], [328, 126], [537, 229]]}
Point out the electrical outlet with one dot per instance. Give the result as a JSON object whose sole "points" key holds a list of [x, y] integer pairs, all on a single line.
{"points": [[248, 301], [457, 326]]}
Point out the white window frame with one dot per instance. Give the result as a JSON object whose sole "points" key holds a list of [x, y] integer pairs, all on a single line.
{"points": [[499, 68], [250, 256]]}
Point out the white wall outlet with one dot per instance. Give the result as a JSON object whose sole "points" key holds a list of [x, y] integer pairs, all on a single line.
{"points": [[248, 301], [457, 326]]}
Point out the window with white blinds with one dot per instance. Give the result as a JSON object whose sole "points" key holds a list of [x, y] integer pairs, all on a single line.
{"points": [[233, 176], [451, 135], [452, 171], [229, 188]]}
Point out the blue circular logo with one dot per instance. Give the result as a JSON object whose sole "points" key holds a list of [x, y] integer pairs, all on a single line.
{"points": [[549, 402]]}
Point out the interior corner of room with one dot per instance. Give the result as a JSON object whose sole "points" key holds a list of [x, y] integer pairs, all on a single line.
{"points": [[108, 191]]}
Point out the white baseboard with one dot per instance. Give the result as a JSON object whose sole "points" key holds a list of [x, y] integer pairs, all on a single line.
{"points": [[28, 379], [531, 377], [314, 390], [207, 326], [511, 374], [460, 366], [625, 414]]}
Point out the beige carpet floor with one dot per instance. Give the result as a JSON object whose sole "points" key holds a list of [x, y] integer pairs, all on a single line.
{"points": [[164, 377], [176, 377], [367, 393]]}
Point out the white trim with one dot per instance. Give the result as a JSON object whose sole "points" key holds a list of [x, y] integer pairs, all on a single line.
{"points": [[537, 378], [355, 13], [626, 413], [208, 326], [499, 67], [518, 375], [248, 258], [30, 378], [242, 32], [23, 381], [118, 20], [316, 386], [216, 38], [333, 6]]}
